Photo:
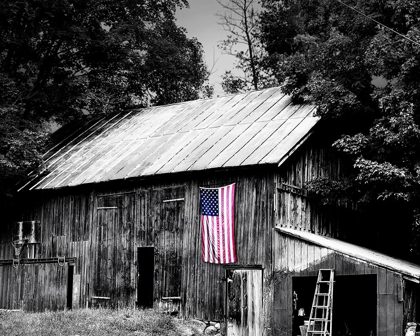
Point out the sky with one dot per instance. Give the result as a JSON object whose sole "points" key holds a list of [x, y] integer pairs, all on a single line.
{"points": [[201, 22]]}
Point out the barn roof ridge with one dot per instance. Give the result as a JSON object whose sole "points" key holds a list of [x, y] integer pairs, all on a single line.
{"points": [[253, 128]]}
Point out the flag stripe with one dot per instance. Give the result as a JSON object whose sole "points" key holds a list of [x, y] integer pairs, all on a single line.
{"points": [[217, 224], [222, 222], [228, 231]]}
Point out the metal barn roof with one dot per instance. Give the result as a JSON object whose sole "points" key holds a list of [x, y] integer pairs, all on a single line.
{"points": [[376, 258], [255, 128]]}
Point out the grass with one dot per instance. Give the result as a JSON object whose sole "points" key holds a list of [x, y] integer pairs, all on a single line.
{"points": [[95, 322]]}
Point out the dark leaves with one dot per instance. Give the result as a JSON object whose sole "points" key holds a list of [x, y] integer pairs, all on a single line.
{"points": [[65, 60]]}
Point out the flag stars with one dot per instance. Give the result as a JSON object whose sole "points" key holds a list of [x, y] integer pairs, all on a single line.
{"points": [[209, 202]]}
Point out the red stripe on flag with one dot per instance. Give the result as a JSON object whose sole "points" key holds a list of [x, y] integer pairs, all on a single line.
{"points": [[222, 221], [232, 252], [218, 244]]}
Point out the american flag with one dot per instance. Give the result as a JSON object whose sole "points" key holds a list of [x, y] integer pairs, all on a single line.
{"points": [[217, 225]]}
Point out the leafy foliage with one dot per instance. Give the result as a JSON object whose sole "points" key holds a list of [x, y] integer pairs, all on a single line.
{"points": [[329, 54], [62, 60]]}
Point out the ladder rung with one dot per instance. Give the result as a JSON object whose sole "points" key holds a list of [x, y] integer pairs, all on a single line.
{"points": [[318, 332], [321, 311], [320, 319]]}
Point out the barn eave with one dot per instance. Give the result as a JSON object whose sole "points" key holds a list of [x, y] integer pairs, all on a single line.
{"points": [[408, 270]]}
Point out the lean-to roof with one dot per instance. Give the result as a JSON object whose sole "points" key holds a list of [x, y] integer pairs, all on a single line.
{"points": [[255, 128], [410, 270]]}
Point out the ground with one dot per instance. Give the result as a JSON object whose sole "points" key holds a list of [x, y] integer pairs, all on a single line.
{"points": [[96, 322]]}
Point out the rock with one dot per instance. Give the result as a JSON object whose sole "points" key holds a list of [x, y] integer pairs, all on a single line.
{"points": [[217, 325], [213, 323], [211, 331], [223, 328], [200, 324]]}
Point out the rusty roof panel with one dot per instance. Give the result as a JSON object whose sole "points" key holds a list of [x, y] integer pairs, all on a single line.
{"points": [[299, 133], [271, 141], [226, 117], [260, 127], [210, 136], [235, 146], [276, 100], [208, 109], [176, 153], [208, 150], [251, 106], [212, 154]]}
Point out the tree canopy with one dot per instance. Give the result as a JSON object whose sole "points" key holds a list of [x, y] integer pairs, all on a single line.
{"points": [[332, 53], [61, 60]]}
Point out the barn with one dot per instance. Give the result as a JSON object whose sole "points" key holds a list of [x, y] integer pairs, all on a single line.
{"points": [[113, 220]]}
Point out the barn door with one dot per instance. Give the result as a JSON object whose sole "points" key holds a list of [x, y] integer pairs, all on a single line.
{"points": [[244, 302], [114, 265], [164, 231]]}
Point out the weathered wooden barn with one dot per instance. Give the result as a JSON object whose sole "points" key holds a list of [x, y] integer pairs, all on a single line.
{"points": [[114, 220]]}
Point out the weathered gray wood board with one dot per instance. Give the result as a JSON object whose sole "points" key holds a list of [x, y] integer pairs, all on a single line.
{"points": [[34, 287], [244, 302]]}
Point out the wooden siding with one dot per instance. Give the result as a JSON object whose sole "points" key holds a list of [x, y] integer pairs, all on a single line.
{"points": [[114, 271], [297, 209], [102, 229], [34, 287], [300, 210], [296, 258], [244, 302]]}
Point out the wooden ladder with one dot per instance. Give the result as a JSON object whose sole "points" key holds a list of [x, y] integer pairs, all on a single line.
{"points": [[320, 319]]}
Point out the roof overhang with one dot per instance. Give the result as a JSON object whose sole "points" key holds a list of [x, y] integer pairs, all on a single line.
{"points": [[409, 270]]}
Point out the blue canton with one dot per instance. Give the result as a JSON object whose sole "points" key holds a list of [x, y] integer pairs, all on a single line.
{"points": [[209, 199]]}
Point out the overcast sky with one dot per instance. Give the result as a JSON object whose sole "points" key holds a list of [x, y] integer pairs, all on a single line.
{"points": [[201, 22]]}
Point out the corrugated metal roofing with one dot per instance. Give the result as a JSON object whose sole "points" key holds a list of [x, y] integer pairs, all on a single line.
{"points": [[254, 128], [376, 258]]}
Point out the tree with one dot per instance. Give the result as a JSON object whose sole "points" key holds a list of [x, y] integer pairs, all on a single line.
{"points": [[67, 59], [240, 20], [329, 55]]}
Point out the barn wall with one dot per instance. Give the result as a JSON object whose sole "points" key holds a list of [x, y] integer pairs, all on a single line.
{"points": [[34, 287], [298, 209], [103, 226], [295, 258]]}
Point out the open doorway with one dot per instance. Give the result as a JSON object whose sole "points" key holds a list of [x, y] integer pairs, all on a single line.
{"points": [[146, 266], [70, 287], [354, 304]]}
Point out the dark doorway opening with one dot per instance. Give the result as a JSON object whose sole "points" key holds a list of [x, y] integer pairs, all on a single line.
{"points": [[70, 287], [354, 304], [145, 267]]}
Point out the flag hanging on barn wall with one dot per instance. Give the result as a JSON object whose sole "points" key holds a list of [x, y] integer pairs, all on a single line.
{"points": [[217, 224]]}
